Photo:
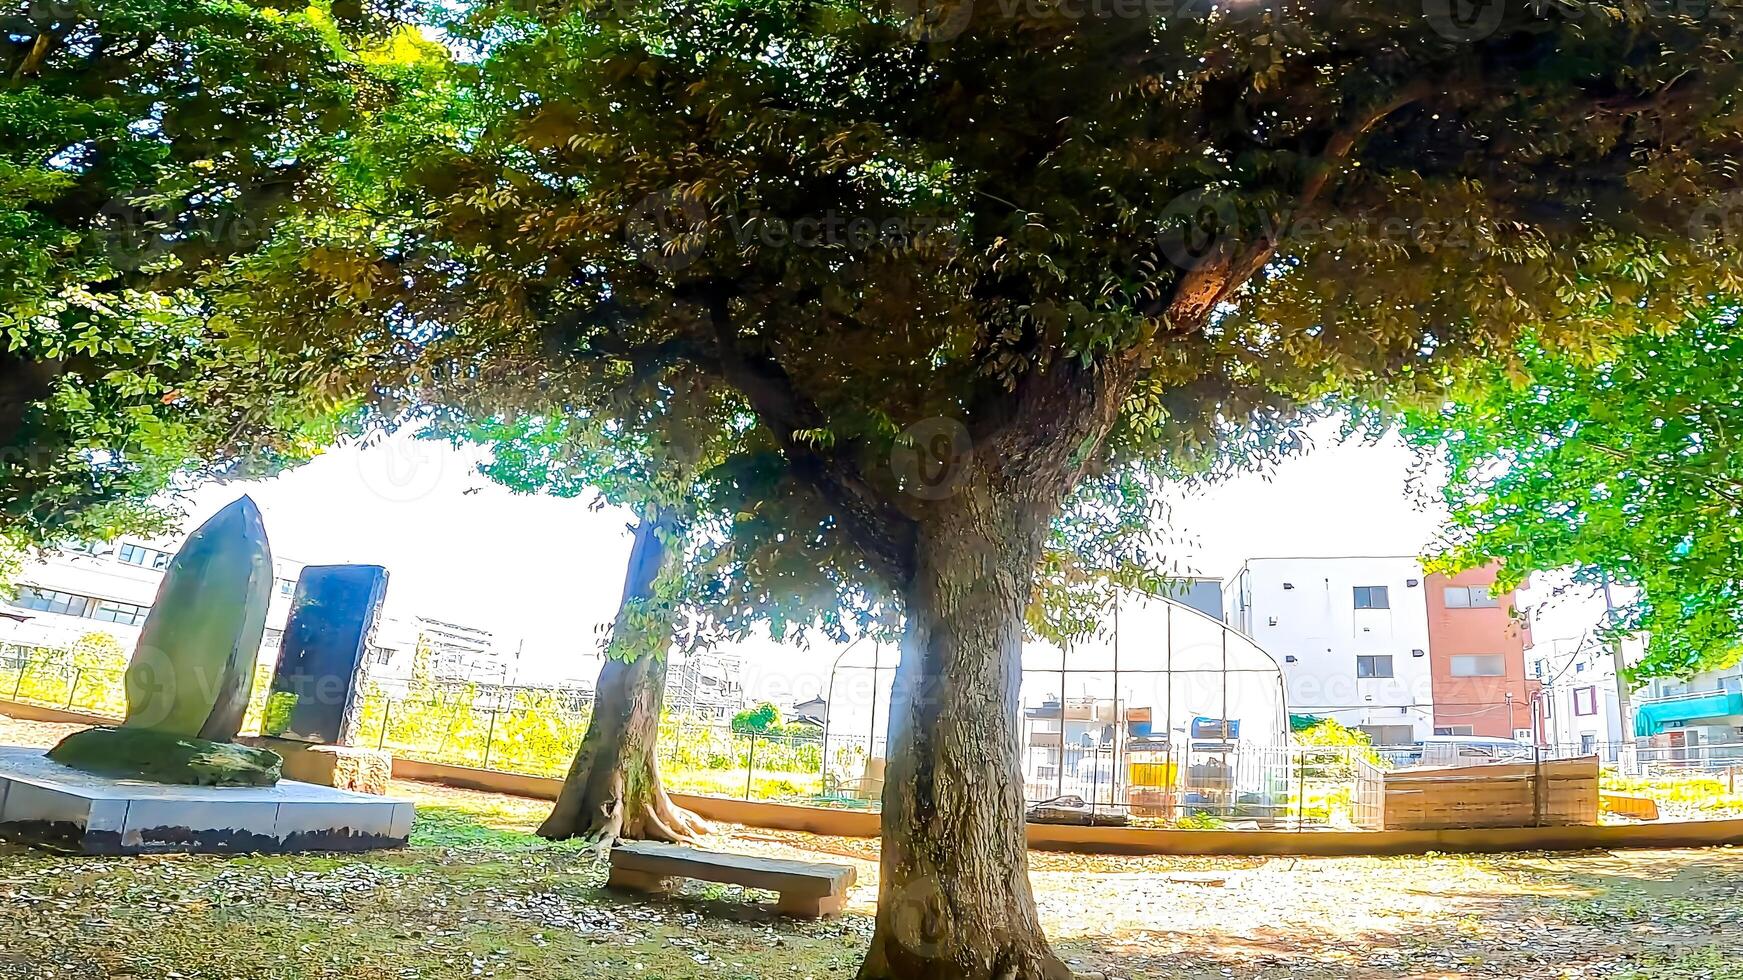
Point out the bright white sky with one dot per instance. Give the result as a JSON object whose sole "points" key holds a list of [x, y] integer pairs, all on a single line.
{"points": [[548, 572]]}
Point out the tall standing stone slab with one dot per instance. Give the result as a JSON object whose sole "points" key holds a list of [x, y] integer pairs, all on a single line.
{"points": [[314, 689], [192, 671]]}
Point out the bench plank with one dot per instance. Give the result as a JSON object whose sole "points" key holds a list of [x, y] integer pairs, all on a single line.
{"points": [[806, 888]]}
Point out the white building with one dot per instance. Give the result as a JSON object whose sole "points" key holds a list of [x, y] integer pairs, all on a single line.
{"points": [[705, 684], [1697, 719], [1581, 705], [107, 587], [1580, 700], [1351, 635], [453, 652]]}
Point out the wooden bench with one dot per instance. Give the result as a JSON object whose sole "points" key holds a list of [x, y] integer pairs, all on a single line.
{"points": [[807, 890]]}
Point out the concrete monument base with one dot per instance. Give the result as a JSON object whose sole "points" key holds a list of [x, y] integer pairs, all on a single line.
{"points": [[45, 803]]}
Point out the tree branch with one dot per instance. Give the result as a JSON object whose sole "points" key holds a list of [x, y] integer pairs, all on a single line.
{"points": [[1084, 402], [881, 531], [1197, 292]]}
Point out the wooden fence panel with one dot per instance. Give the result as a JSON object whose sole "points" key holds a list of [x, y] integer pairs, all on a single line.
{"points": [[1558, 792]]}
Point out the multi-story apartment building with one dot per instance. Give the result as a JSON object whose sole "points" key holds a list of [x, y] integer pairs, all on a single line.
{"points": [[1580, 705], [1697, 713], [1476, 654], [1351, 635], [107, 587], [421, 649], [1378, 644]]}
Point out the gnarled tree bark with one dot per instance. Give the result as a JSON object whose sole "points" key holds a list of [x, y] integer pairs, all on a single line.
{"points": [[613, 790], [954, 901]]}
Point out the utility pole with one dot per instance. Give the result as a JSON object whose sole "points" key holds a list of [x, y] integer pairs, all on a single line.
{"points": [[1624, 709]]}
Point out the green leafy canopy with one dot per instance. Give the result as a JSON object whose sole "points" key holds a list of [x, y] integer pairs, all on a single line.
{"points": [[878, 278], [143, 145], [1619, 461]]}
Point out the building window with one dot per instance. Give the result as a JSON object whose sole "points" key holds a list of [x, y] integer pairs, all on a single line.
{"points": [[286, 586], [46, 600], [1389, 735], [1479, 665], [144, 557], [85, 607], [1470, 597], [1378, 665], [1455, 730], [125, 613], [1585, 701], [1372, 597]]}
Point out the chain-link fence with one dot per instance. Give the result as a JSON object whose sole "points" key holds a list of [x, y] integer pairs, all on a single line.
{"points": [[535, 731]]}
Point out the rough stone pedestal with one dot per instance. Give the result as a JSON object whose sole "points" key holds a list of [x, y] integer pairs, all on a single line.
{"points": [[339, 766]]}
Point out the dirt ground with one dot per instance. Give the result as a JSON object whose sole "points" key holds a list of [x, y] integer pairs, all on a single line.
{"points": [[476, 896]]}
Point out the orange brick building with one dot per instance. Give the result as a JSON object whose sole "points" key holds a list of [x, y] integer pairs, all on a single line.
{"points": [[1476, 650]]}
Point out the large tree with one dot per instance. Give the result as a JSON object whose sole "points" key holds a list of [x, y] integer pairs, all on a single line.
{"points": [[142, 144], [935, 274], [694, 582], [1622, 462]]}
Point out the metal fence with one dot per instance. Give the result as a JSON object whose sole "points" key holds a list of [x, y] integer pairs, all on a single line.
{"points": [[536, 732], [38, 676]]}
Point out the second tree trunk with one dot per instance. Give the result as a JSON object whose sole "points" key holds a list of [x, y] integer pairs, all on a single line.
{"points": [[613, 788]]}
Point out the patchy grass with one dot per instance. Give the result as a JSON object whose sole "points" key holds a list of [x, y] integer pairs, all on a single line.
{"points": [[478, 895], [1711, 963]]}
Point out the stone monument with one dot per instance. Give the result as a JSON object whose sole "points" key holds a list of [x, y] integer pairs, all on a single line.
{"points": [[172, 776], [311, 714], [193, 670], [314, 689]]}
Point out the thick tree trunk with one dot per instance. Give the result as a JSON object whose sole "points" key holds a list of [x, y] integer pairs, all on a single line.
{"points": [[613, 789], [954, 901]]}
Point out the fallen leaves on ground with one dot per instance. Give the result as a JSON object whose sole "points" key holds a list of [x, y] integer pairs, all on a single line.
{"points": [[476, 895]]}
